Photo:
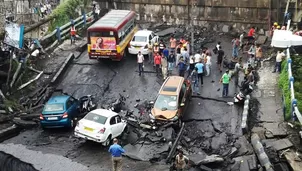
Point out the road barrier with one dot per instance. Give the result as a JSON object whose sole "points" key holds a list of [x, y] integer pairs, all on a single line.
{"points": [[295, 113], [61, 33]]}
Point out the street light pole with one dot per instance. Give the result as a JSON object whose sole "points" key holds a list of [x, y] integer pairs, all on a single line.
{"points": [[192, 28]]}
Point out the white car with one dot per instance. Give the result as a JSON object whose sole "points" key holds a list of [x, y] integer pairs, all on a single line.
{"points": [[101, 126], [140, 42]]}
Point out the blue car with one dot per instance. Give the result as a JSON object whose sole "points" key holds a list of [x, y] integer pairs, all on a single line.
{"points": [[60, 111]]}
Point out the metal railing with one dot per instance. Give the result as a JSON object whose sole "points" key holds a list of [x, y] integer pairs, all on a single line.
{"points": [[61, 33], [294, 107]]}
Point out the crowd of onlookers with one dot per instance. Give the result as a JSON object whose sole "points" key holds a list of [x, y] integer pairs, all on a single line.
{"points": [[43, 9]]}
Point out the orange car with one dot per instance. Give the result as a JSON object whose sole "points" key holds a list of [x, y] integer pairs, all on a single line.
{"points": [[172, 100]]}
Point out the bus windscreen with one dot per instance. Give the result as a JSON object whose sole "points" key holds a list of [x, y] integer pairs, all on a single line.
{"points": [[102, 40]]}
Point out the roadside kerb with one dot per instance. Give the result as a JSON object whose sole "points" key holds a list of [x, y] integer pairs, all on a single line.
{"points": [[259, 150], [245, 113], [62, 69], [82, 48]]}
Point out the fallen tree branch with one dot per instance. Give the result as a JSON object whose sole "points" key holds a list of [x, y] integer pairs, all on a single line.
{"points": [[16, 74], [30, 81], [10, 69], [4, 98]]}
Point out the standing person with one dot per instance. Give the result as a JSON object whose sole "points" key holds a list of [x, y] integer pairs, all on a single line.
{"points": [[237, 69], [72, 33], [188, 47], [215, 50], [181, 161], [194, 79], [116, 151], [241, 39], [166, 52], [259, 54], [200, 71], [192, 65], [274, 27], [181, 67], [140, 62], [150, 52], [251, 35], [207, 50], [279, 57], [171, 60], [208, 65], [236, 45], [185, 55], [182, 40], [161, 46], [172, 43], [197, 57], [252, 53], [220, 58], [178, 52], [164, 66], [225, 80], [157, 63]]}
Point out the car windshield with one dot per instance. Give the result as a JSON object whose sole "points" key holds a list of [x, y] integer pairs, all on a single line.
{"points": [[96, 118], [139, 39], [166, 102], [54, 107]]}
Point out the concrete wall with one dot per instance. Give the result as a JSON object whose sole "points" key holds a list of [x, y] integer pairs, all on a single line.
{"points": [[237, 13]]}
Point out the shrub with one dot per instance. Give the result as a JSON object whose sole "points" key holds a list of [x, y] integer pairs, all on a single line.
{"points": [[284, 85]]}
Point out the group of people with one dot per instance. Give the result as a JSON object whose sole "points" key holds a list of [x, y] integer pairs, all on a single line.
{"points": [[43, 9]]}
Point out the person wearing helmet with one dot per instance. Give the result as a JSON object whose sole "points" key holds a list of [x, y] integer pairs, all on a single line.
{"points": [[278, 27], [225, 80], [274, 27], [155, 51]]}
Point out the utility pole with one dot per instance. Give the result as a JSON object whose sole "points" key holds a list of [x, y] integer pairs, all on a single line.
{"points": [[192, 26]]}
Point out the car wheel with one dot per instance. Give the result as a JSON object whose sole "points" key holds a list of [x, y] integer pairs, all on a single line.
{"points": [[107, 142]]}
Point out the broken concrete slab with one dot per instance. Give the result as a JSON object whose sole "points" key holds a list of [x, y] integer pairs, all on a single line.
{"points": [[246, 162], [275, 129], [205, 168], [9, 132], [24, 124], [225, 28], [260, 131], [243, 146], [294, 160], [145, 152], [218, 141], [202, 158], [63, 68], [261, 39], [280, 144], [281, 167], [197, 158], [217, 126], [166, 32], [212, 159], [5, 118], [200, 129]]}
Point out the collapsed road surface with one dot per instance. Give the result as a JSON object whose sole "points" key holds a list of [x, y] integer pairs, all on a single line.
{"points": [[212, 127]]}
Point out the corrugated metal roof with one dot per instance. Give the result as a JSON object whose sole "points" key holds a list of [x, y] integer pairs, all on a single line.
{"points": [[112, 19]]}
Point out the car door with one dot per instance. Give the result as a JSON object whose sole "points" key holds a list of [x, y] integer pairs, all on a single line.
{"points": [[182, 100], [113, 127], [119, 125], [71, 107]]}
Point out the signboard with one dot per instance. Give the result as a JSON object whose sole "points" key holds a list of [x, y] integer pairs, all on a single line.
{"points": [[14, 35], [103, 43]]}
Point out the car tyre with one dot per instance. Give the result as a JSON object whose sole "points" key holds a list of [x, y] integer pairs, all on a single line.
{"points": [[107, 142]]}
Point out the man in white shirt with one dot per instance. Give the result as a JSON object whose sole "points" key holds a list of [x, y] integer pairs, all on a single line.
{"points": [[197, 57], [140, 61], [279, 57], [208, 65]]}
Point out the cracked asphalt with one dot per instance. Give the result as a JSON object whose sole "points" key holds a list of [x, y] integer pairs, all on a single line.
{"points": [[106, 80]]}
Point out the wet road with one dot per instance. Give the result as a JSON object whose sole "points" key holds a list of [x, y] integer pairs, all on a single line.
{"points": [[106, 80]]}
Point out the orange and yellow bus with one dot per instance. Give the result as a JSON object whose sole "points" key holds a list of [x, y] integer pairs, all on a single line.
{"points": [[110, 35]]}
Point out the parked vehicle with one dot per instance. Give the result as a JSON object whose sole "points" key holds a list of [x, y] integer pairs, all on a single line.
{"points": [[87, 104], [60, 111], [110, 35], [140, 42], [245, 89], [101, 126], [172, 100]]}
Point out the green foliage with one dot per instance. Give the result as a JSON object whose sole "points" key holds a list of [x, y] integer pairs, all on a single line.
{"points": [[66, 11], [284, 84]]}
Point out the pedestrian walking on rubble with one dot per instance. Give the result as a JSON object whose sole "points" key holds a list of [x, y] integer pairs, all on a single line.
{"points": [[140, 62], [225, 80], [280, 56], [172, 43], [116, 152], [192, 64], [157, 62], [164, 67], [171, 60], [208, 64], [200, 71], [194, 79], [236, 44], [150, 52], [220, 56], [72, 34], [161, 46], [181, 161]]}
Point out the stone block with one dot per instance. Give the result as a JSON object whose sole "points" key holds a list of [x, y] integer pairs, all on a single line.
{"points": [[280, 144], [276, 129], [261, 39], [225, 28]]}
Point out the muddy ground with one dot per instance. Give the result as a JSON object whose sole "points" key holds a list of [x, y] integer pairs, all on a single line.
{"points": [[212, 127]]}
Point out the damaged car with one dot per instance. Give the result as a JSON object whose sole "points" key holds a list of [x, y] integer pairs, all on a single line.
{"points": [[172, 100], [101, 126]]}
